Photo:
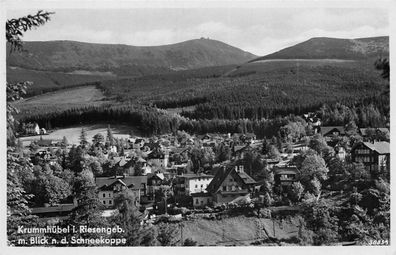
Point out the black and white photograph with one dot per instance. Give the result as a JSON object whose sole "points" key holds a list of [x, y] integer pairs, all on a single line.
{"points": [[197, 124]]}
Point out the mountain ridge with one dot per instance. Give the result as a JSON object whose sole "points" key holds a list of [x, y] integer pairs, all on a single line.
{"points": [[334, 48], [122, 59]]}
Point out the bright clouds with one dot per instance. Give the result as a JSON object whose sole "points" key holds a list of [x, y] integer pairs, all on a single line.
{"points": [[260, 31]]}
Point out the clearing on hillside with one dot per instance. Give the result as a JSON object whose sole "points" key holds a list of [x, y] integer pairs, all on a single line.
{"points": [[62, 100]]}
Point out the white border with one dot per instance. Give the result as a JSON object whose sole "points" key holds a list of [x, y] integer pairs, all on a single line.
{"points": [[107, 4]]}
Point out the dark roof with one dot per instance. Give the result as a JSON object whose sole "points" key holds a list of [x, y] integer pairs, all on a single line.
{"points": [[363, 131], [222, 174], [156, 176], [286, 170], [195, 176], [31, 125], [152, 145], [129, 181], [379, 147], [50, 209], [44, 142], [156, 153], [272, 161], [139, 140], [201, 194], [120, 161], [218, 179], [327, 129], [178, 150], [239, 148], [246, 178]]}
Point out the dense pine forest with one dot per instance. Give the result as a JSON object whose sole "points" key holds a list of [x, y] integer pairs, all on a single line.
{"points": [[221, 101]]}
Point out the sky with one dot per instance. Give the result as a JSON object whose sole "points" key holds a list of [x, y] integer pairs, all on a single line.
{"points": [[260, 31]]}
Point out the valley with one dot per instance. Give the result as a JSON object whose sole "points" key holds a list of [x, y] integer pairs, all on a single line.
{"points": [[196, 143]]}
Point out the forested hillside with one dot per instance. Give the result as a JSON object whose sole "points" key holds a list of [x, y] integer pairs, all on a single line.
{"points": [[334, 48], [125, 60]]}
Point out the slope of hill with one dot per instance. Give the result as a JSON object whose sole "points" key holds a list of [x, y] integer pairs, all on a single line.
{"points": [[46, 81], [334, 48], [68, 56]]}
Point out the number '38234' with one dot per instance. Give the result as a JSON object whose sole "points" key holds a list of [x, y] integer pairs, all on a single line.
{"points": [[379, 242]]}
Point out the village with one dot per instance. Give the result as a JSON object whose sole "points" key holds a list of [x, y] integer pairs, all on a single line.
{"points": [[175, 176]]}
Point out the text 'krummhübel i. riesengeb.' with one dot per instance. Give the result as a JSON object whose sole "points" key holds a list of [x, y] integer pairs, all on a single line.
{"points": [[68, 229]]}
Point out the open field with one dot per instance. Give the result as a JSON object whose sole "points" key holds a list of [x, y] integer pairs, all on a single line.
{"points": [[73, 133], [62, 100], [46, 81], [73, 96]]}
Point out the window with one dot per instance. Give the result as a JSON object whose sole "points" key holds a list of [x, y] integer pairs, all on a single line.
{"points": [[196, 185], [201, 186], [196, 201], [224, 188], [104, 202], [104, 194], [110, 202], [201, 202]]}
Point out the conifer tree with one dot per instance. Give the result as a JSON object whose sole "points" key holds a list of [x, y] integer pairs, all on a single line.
{"points": [[83, 137], [110, 137]]}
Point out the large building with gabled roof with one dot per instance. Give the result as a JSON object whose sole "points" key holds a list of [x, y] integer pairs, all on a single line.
{"points": [[375, 156], [230, 183]]}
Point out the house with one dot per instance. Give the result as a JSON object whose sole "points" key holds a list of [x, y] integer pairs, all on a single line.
{"points": [[375, 156], [247, 138], [285, 176], [158, 157], [271, 163], [340, 152], [176, 169], [374, 134], [328, 132], [113, 149], [154, 181], [240, 150], [59, 211], [44, 142], [139, 143], [188, 184], [32, 129], [150, 146], [230, 183], [131, 164], [109, 187], [44, 156], [201, 199]]}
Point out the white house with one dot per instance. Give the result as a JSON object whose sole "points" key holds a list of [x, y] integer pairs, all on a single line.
{"points": [[158, 157], [32, 129], [195, 183], [109, 187]]}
